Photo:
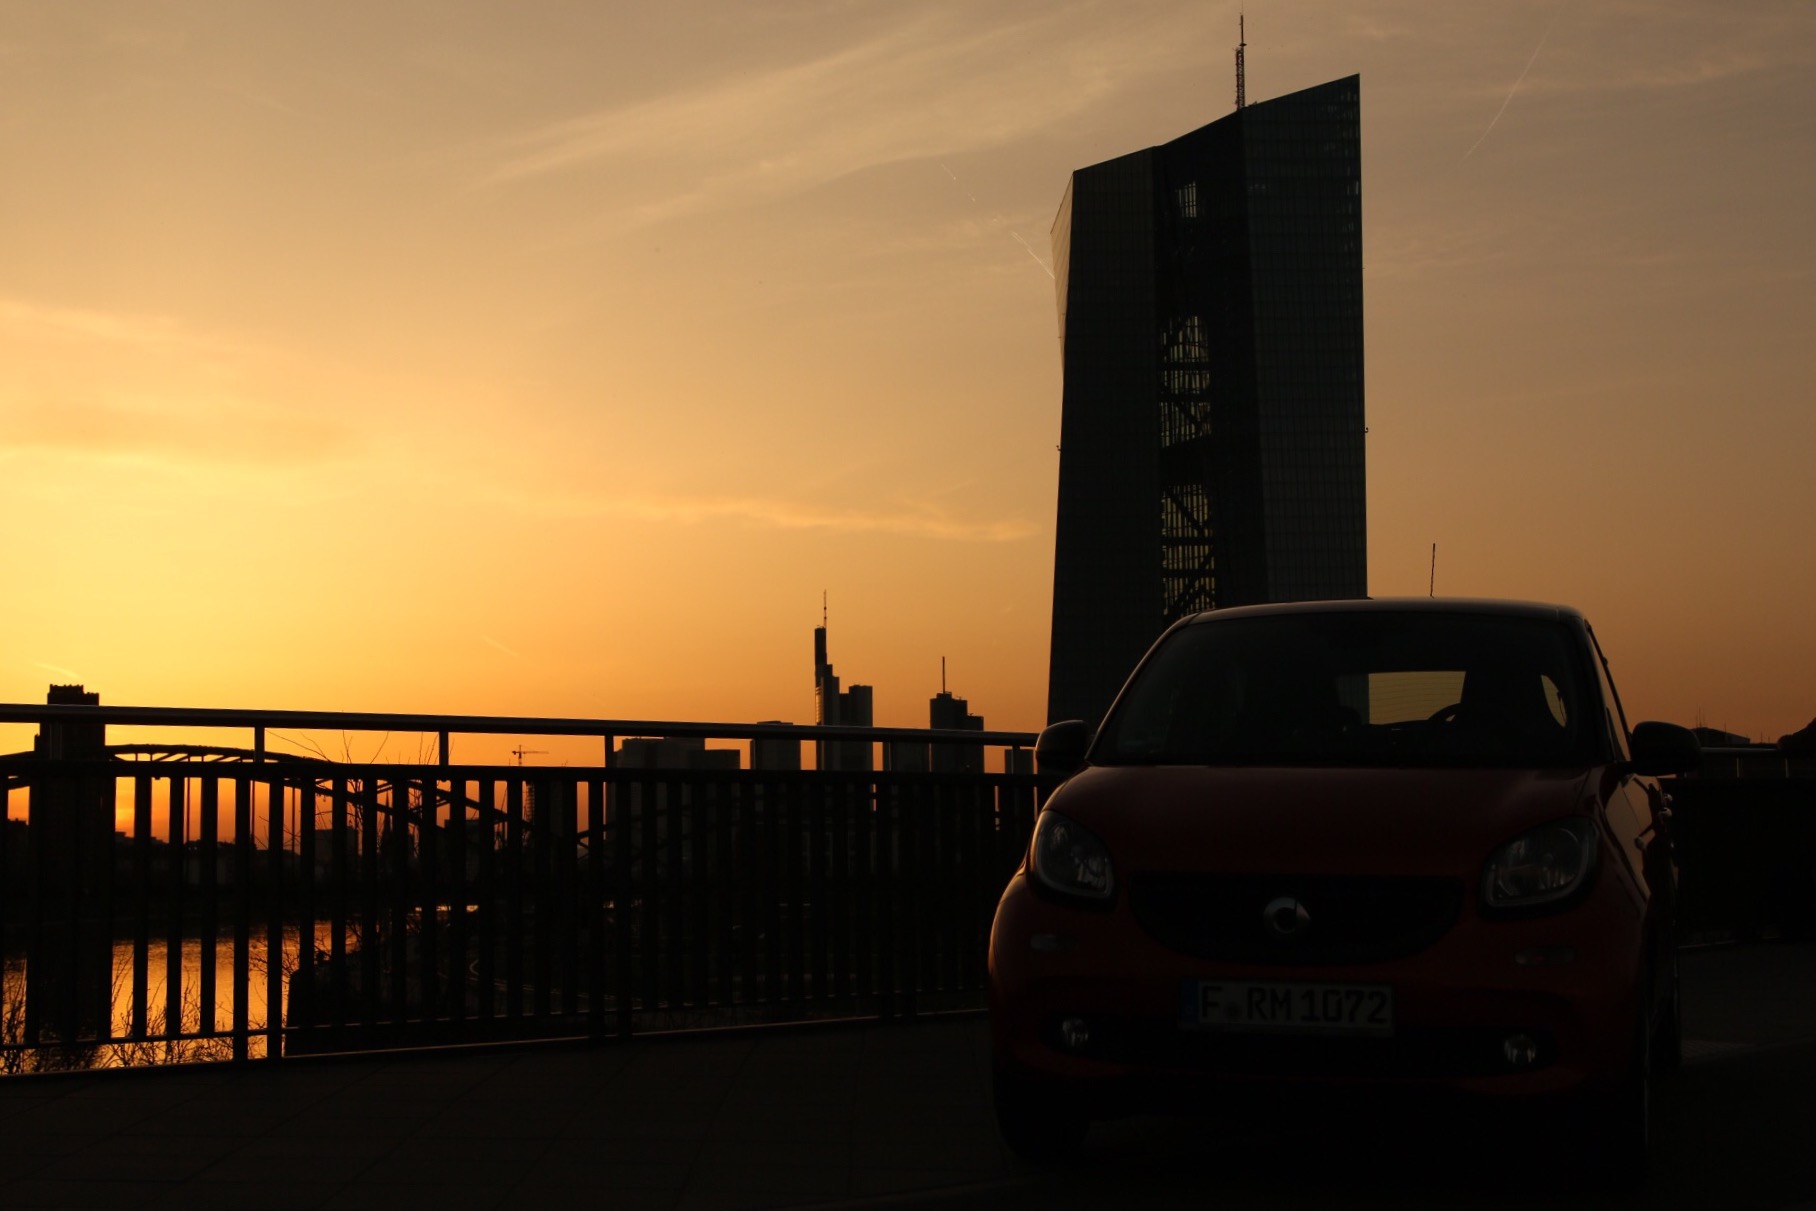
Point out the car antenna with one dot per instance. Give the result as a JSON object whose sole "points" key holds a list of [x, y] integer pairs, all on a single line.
{"points": [[1431, 590]]}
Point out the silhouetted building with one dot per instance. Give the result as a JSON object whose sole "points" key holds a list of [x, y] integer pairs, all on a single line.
{"points": [[831, 705], [1210, 306], [775, 754], [675, 752], [946, 713]]}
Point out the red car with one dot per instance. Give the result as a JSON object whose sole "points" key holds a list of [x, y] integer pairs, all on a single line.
{"points": [[1353, 847]]}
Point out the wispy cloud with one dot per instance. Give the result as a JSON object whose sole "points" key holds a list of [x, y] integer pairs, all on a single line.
{"points": [[58, 669], [508, 651], [913, 519], [162, 335], [191, 427], [939, 83]]}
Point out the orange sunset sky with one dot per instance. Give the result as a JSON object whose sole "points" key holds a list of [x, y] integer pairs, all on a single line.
{"points": [[552, 358]]}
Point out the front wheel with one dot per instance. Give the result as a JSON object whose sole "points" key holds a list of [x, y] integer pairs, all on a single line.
{"points": [[1037, 1124]]}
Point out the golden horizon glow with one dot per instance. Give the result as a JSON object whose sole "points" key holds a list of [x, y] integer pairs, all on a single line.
{"points": [[553, 363]]}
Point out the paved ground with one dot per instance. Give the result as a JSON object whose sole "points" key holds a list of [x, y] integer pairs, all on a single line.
{"points": [[865, 1116]]}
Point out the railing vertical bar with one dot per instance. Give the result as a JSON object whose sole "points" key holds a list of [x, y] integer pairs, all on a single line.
{"points": [[618, 823], [242, 922], [428, 932], [545, 814], [725, 899], [863, 879], [676, 822], [277, 850], [886, 908], [303, 987], [568, 876], [397, 835], [486, 994], [700, 889], [947, 904], [338, 877], [978, 877], [512, 926], [818, 892], [650, 894], [749, 879], [839, 899], [371, 941], [455, 880], [770, 860], [596, 912], [106, 864], [209, 851], [176, 827], [911, 843], [141, 916], [794, 840]]}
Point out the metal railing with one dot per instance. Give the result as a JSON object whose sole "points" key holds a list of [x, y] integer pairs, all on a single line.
{"points": [[205, 907]]}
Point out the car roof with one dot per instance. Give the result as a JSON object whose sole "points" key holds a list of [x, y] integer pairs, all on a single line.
{"points": [[1397, 605]]}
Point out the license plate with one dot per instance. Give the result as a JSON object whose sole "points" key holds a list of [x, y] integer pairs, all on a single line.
{"points": [[1293, 1008]]}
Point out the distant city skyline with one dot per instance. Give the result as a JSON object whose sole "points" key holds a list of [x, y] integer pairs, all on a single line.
{"points": [[552, 364]]}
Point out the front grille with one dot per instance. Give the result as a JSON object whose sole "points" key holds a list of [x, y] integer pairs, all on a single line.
{"points": [[1346, 919]]}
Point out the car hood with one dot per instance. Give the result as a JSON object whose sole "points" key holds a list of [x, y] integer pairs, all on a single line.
{"points": [[1315, 821]]}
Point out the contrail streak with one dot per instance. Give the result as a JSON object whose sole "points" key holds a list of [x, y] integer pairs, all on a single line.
{"points": [[1033, 253], [1516, 83]]}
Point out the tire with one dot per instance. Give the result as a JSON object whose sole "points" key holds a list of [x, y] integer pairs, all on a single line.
{"points": [[1618, 1139], [1035, 1123]]}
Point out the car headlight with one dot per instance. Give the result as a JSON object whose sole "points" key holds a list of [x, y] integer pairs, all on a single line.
{"points": [[1069, 860], [1540, 867]]}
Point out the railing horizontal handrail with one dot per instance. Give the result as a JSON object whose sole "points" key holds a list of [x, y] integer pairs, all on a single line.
{"points": [[486, 725]]}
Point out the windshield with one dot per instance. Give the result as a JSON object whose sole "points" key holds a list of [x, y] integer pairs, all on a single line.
{"points": [[1410, 688]]}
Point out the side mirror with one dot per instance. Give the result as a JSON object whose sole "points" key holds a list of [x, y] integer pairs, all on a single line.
{"points": [[1665, 748], [1062, 746]]}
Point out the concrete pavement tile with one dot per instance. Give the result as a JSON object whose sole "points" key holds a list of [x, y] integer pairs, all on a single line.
{"points": [[428, 1196], [651, 1120], [79, 1195], [651, 1087], [588, 1197], [800, 1122], [800, 1154], [872, 1183], [241, 1124], [981, 1154], [280, 1148], [27, 1140], [94, 1115], [608, 1151], [288, 1195], [241, 1169], [601, 1175], [504, 1121], [735, 1186], [103, 1162], [672, 1059]]}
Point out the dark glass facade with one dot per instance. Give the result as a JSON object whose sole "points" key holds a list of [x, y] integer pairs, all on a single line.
{"points": [[1210, 305]]}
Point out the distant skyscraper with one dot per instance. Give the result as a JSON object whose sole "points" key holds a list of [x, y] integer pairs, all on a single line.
{"points": [[852, 707], [1210, 306]]}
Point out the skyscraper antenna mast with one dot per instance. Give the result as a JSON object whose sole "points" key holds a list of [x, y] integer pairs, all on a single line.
{"points": [[1241, 45]]}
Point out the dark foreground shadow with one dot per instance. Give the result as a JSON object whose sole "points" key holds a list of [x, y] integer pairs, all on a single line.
{"points": [[1733, 1132]]}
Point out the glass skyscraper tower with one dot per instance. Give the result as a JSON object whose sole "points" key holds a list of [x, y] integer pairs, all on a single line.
{"points": [[1210, 310]]}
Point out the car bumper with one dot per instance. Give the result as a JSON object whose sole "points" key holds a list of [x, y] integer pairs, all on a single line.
{"points": [[1456, 1004]]}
